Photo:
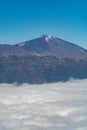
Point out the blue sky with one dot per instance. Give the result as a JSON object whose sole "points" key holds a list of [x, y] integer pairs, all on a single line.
{"points": [[22, 20]]}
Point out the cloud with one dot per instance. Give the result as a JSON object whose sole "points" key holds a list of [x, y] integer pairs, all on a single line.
{"points": [[54, 106]]}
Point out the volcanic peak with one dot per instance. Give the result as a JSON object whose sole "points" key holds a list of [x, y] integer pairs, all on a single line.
{"points": [[47, 37]]}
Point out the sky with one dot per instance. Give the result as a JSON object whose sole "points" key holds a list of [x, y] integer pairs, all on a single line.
{"points": [[22, 20], [58, 106]]}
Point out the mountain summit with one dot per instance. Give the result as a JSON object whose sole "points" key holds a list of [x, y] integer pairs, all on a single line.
{"points": [[54, 46], [46, 37], [45, 45], [44, 59]]}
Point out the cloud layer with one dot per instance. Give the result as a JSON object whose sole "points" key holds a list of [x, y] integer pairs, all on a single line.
{"points": [[58, 106]]}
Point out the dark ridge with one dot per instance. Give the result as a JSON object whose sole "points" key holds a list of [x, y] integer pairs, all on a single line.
{"points": [[44, 59]]}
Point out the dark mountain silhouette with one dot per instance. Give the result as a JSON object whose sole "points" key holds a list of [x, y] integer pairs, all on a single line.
{"points": [[45, 59]]}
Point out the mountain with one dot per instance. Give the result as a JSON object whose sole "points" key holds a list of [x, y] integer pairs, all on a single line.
{"points": [[44, 59]]}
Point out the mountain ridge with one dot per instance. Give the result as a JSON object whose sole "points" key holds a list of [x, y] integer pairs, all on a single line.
{"points": [[47, 45], [44, 59]]}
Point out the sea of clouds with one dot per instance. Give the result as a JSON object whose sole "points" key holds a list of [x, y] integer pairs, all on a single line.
{"points": [[57, 106]]}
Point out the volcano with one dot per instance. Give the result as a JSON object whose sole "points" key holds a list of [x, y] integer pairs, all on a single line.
{"points": [[44, 59]]}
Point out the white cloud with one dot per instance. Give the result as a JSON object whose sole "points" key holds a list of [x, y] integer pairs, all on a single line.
{"points": [[55, 106]]}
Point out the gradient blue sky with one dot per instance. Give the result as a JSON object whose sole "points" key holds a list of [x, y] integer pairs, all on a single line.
{"points": [[22, 20]]}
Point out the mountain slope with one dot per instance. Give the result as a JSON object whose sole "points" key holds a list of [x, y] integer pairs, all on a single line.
{"points": [[45, 59], [51, 45]]}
